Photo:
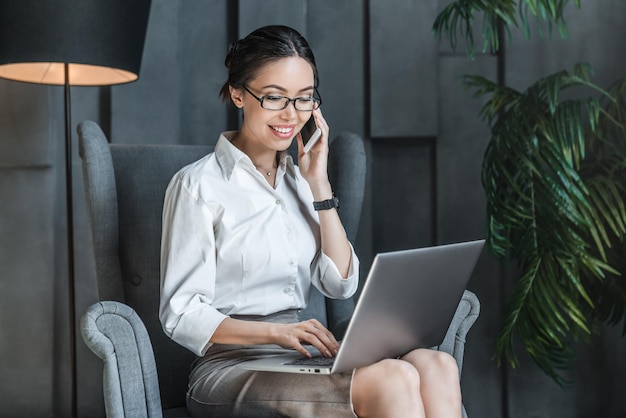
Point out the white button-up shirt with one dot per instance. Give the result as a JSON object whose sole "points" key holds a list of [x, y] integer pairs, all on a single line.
{"points": [[232, 244]]}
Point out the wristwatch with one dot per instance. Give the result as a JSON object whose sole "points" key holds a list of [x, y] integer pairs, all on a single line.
{"points": [[326, 204]]}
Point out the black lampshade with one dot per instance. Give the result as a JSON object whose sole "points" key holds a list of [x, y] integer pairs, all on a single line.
{"points": [[101, 40]]}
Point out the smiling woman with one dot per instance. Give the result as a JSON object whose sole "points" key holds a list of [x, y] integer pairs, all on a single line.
{"points": [[273, 110], [247, 234]]}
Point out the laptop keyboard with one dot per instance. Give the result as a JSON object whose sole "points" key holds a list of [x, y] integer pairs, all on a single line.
{"points": [[313, 361]]}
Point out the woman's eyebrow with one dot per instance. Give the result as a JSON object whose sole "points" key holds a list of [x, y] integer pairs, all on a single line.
{"points": [[284, 90]]}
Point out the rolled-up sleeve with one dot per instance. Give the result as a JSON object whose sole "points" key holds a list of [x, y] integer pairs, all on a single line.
{"points": [[328, 280], [188, 269]]}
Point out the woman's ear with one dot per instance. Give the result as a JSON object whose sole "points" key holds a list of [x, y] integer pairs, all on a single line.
{"points": [[236, 95]]}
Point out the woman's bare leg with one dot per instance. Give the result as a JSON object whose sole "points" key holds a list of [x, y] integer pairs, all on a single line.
{"points": [[440, 383], [389, 388]]}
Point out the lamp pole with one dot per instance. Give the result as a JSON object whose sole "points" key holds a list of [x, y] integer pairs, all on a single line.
{"points": [[71, 275]]}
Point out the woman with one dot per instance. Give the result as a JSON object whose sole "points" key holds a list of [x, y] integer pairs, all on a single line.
{"points": [[242, 245]]}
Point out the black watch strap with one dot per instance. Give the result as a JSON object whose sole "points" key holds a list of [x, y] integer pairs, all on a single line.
{"points": [[326, 204]]}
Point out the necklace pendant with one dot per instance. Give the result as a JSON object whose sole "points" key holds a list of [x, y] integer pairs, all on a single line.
{"points": [[269, 173]]}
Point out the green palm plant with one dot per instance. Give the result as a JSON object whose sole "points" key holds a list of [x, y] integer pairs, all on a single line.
{"points": [[553, 173], [458, 16]]}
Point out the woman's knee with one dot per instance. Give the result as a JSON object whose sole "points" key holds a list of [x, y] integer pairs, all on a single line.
{"points": [[388, 373], [445, 362], [399, 372], [434, 362], [384, 385]]}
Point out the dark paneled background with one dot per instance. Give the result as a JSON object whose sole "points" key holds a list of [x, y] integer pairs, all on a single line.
{"points": [[383, 76]]}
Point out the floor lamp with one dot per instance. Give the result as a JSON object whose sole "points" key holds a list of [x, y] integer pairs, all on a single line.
{"points": [[72, 43]]}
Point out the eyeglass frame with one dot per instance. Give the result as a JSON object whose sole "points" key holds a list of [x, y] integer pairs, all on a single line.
{"points": [[316, 100]]}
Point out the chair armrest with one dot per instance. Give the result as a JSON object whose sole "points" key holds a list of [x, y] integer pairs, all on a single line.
{"points": [[116, 334], [466, 314], [454, 342]]}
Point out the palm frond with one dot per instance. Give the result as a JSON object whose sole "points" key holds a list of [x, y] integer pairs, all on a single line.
{"points": [[458, 18]]}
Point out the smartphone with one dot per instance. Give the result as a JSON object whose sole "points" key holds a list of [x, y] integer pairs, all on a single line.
{"points": [[311, 133]]}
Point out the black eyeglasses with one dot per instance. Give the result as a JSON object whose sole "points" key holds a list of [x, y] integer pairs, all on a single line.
{"points": [[303, 104]]}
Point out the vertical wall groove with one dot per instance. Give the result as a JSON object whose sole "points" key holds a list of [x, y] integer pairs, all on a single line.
{"points": [[434, 232], [232, 34]]}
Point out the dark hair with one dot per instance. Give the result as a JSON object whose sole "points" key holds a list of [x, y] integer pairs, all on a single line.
{"points": [[267, 44]]}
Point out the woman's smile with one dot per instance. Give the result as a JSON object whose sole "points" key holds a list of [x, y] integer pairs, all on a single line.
{"points": [[283, 131]]}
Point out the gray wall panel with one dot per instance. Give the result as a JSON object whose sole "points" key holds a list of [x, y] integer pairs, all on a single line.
{"points": [[401, 197], [203, 44], [339, 54], [595, 388], [27, 241], [147, 111], [26, 315], [610, 357], [23, 125], [461, 144], [254, 14], [403, 66]]}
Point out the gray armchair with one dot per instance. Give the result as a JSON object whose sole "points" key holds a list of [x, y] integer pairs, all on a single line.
{"points": [[145, 373]]}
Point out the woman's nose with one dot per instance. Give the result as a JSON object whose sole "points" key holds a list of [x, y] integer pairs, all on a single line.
{"points": [[290, 111]]}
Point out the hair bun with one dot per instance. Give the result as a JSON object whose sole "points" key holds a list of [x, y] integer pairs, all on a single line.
{"points": [[234, 47]]}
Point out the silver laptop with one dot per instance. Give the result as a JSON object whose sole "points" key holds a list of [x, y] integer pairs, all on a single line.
{"points": [[408, 302]]}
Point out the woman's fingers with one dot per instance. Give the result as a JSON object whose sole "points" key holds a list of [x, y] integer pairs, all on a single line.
{"points": [[312, 332], [321, 338]]}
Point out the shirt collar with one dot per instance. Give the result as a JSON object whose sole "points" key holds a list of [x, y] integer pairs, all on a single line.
{"points": [[229, 157]]}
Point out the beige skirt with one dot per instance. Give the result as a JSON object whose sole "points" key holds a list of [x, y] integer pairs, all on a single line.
{"points": [[218, 388]]}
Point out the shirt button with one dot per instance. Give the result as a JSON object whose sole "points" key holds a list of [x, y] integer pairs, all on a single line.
{"points": [[278, 202], [292, 263]]}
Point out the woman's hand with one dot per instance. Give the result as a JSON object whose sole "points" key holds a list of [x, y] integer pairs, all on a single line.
{"points": [[314, 164], [310, 332]]}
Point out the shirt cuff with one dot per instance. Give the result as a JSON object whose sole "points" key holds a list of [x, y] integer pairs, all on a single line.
{"points": [[196, 327], [333, 284]]}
